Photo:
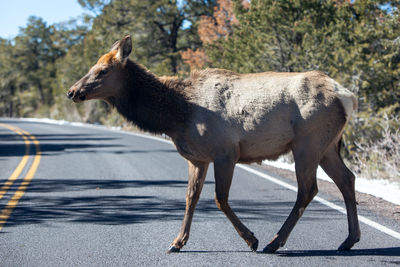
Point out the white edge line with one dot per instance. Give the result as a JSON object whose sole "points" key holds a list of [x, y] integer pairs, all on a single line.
{"points": [[327, 203]]}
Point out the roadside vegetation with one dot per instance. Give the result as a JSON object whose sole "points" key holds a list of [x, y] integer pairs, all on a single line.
{"points": [[355, 42]]}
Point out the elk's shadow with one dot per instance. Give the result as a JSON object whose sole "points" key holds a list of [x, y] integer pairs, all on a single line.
{"points": [[392, 251]]}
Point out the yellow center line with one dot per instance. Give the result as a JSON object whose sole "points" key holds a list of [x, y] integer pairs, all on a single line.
{"points": [[13, 202], [21, 164]]}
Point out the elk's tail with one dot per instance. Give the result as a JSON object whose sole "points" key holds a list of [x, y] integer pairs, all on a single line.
{"points": [[347, 98]]}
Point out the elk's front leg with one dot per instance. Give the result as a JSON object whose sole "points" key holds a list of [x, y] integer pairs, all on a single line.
{"points": [[197, 175]]}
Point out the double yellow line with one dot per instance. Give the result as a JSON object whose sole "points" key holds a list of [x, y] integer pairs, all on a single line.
{"points": [[13, 202]]}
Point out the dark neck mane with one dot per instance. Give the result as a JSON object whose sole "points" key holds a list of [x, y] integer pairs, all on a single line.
{"points": [[152, 104]]}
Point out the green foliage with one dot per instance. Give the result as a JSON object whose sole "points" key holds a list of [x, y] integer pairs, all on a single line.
{"points": [[8, 98], [28, 67], [96, 6], [159, 29], [280, 36]]}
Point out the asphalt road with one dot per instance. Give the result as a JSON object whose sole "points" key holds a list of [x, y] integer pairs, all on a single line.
{"points": [[96, 197]]}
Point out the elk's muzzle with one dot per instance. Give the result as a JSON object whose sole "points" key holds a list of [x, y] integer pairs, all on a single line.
{"points": [[76, 95]]}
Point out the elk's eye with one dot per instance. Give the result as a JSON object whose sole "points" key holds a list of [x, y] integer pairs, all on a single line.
{"points": [[102, 72]]}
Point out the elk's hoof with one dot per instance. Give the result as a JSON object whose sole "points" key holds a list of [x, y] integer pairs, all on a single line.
{"points": [[173, 249], [343, 247], [348, 244], [269, 249], [254, 246]]}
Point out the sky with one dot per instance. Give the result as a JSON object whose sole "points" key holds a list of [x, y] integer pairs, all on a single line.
{"points": [[15, 13]]}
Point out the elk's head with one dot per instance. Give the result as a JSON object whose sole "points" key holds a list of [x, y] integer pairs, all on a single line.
{"points": [[104, 79]]}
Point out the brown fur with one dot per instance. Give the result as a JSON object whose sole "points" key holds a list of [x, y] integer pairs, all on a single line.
{"points": [[224, 117], [108, 58]]}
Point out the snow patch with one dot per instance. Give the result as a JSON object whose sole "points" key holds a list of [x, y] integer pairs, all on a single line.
{"points": [[63, 122]]}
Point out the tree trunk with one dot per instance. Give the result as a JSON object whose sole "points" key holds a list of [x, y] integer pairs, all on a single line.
{"points": [[11, 106], [11, 109], [41, 93], [173, 39]]}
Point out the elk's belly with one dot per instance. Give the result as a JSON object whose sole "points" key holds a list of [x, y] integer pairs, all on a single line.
{"points": [[258, 149]]}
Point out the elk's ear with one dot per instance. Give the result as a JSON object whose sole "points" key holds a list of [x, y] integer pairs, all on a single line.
{"points": [[124, 48]]}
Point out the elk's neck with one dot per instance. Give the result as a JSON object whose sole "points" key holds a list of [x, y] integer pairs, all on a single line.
{"points": [[153, 105]]}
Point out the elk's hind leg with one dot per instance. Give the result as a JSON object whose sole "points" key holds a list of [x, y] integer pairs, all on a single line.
{"points": [[306, 168], [334, 166], [223, 169], [197, 175]]}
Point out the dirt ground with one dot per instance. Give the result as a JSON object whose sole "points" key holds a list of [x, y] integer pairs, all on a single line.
{"points": [[375, 204]]}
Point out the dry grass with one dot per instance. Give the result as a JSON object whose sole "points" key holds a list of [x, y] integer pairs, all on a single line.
{"points": [[381, 158]]}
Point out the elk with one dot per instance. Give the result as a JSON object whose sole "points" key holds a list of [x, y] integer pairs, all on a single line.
{"points": [[223, 117]]}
